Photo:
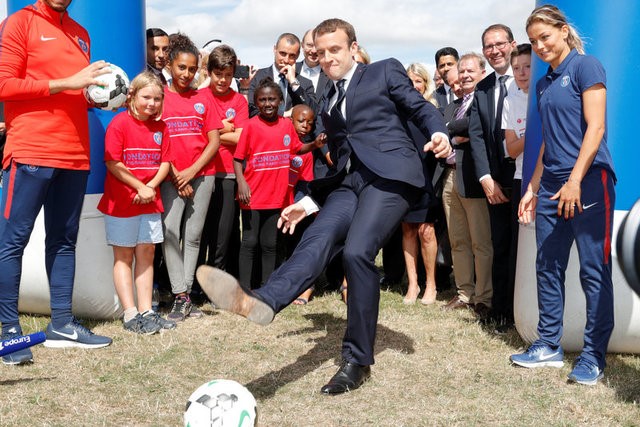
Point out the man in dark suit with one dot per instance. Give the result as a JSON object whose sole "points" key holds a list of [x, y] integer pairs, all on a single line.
{"points": [[446, 59], [464, 200], [494, 169], [157, 51], [377, 176], [310, 68], [295, 89]]}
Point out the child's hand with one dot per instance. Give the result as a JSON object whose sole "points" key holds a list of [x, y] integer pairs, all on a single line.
{"points": [[244, 192], [182, 178], [328, 158], [229, 127], [145, 195], [320, 140], [186, 192]]}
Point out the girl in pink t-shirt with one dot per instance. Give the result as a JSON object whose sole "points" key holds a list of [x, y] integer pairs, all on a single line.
{"points": [[137, 160]]}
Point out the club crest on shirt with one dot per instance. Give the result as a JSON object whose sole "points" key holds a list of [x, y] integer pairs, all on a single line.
{"points": [[157, 137], [565, 81], [286, 140], [296, 162], [199, 107], [83, 45], [231, 113]]}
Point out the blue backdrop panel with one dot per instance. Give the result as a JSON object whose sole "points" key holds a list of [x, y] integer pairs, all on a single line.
{"points": [[116, 29], [609, 34]]}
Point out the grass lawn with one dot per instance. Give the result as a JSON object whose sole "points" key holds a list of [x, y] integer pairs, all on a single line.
{"points": [[432, 368]]}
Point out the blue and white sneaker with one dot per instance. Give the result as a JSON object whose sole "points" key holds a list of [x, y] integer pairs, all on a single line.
{"points": [[20, 357], [585, 372], [73, 334], [539, 356]]}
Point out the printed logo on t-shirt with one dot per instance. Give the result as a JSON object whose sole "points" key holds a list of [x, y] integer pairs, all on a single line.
{"points": [[83, 45], [296, 162], [519, 121], [565, 81], [157, 138], [286, 140], [230, 114], [199, 107]]}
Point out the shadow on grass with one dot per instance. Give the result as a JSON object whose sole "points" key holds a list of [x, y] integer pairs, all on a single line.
{"points": [[323, 350], [624, 377], [25, 380]]}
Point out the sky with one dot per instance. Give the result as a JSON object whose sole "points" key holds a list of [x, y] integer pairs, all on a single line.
{"points": [[409, 30]]}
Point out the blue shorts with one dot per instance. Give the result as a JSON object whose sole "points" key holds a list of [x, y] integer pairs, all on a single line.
{"points": [[132, 231]]}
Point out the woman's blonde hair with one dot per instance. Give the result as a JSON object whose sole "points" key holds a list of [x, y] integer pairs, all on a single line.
{"points": [[142, 80], [551, 15], [429, 86]]}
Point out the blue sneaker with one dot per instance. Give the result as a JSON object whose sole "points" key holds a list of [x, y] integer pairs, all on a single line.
{"points": [[585, 372], [73, 334], [539, 356], [20, 357]]}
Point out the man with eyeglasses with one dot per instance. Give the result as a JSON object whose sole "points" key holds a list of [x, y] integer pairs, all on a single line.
{"points": [[494, 169]]}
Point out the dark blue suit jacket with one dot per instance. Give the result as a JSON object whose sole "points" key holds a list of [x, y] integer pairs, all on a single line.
{"points": [[486, 145], [380, 101]]}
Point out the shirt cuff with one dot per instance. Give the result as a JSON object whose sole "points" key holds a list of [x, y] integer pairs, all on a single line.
{"points": [[309, 205], [483, 177]]}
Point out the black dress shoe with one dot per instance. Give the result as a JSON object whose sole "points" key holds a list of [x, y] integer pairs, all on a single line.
{"points": [[349, 377]]}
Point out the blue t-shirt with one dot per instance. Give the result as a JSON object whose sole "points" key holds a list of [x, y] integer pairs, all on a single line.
{"points": [[560, 105]]}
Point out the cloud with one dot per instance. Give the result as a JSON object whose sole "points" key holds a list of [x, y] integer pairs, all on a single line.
{"points": [[409, 30]]}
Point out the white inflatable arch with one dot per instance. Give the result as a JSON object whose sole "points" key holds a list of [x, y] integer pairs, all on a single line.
{"points": [[626, 333]]}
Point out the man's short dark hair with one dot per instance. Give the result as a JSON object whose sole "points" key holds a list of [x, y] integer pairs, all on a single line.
{"points": [[289, 37], [332, 25], [447, 51], [498, 27], [521, 49], [156, 32], [221, 58]]}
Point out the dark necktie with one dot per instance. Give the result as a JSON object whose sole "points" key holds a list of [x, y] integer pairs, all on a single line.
{"points": [[501, 96], [341, 93], [283, 87]]}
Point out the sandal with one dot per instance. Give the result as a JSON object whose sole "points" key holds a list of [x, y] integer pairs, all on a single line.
{"points": [[300, 301]]}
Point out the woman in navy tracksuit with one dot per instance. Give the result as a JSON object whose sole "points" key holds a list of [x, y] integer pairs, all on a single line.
{"points": [[571, 194]]}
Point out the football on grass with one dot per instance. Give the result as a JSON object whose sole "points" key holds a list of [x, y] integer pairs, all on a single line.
{"points": [[112, 94], [220, 403]]}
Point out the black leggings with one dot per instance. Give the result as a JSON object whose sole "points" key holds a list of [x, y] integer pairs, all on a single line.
{"points": [[258, 227]]}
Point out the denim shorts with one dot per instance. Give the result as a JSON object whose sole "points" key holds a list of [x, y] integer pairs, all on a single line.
{"points": [[135, 230]]}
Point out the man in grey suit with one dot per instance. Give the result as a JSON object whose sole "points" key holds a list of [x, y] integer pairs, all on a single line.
{"points": [[465, 205], [295, 89]]}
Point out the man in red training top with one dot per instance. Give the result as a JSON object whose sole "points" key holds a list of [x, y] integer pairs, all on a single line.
{"points": [[44, 65]]}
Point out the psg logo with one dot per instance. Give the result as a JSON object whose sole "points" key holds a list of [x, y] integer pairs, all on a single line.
{"points": [[296, 162], [83, 45], [286, 140], [231, 113], [565, 81], [199, 108], [157, 138]]}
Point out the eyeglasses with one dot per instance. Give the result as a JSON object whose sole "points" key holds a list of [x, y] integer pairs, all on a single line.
{"points": [[499, 46]]}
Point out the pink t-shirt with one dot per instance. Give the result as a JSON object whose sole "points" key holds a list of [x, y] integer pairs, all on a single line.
{"points": [[190, 116], [267, 148], [232, 104], [141, 146]]}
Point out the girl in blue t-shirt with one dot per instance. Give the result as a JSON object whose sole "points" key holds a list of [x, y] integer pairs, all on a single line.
{"points": [[571, 195]]}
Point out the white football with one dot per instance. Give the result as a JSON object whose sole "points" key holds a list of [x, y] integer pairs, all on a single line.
{"points": [[113, 93], [221, 403]]}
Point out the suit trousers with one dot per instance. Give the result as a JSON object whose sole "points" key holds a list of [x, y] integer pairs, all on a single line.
{"points": [[358, 217], [470, 237], [502, 301]]}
